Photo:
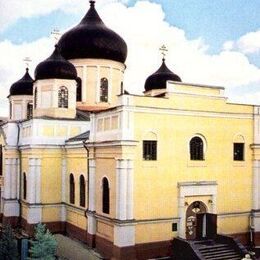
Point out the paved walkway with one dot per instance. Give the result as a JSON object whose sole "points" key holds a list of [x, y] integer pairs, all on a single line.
{"points": [[69, 249]]}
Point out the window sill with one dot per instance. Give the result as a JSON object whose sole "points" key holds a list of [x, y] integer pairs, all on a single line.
{"points": [[197, 163], [150, 163]]}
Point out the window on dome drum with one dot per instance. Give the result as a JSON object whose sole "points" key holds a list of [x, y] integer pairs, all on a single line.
{"points": [[29, 110], [35, 97], [10, 109], [1, 160], [149, 150], [196, 149], [82, 191], [103, 90], [24, 186], [105, 196], [72, 189], [238, 151], [63, 97], [79, 89]]}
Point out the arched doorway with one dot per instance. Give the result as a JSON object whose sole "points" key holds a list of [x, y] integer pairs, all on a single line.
{"points": [[191, 219]]}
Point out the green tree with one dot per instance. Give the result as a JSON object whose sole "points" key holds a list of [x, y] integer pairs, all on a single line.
{"points": [[44, 245], [8, 244]]}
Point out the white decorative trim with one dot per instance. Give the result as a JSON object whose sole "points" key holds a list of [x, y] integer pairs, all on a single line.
{"points": [[92, 225], [11, 208], [124, 189], [256, 184], [124, 236], [92, 185], [7, 179], [34, 214], [187, 189]]}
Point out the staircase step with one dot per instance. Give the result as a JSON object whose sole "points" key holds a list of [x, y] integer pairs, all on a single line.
{"points": [[223, 257], [224, 252], [202, 249]]}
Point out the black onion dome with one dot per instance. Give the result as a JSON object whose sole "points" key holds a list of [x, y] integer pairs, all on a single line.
{"points": [[158, 79], [55, 67], [24, 86], [92, 39]]}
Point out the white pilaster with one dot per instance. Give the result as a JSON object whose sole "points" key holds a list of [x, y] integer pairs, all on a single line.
{"points": [[37, 181], [92, 224], [92, 185], [98, 85], [124, 189], [34, 214], [7, 179], [13, 178], [31, 182], [124, 236], [84, 84], [256, 184]]}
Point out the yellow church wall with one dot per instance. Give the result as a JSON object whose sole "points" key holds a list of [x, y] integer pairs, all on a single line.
{"points": [[48, 131], [76, 217], [153, 175], [233, 224], [51, 214], [153, 232], [105, 230], [77, 165]]}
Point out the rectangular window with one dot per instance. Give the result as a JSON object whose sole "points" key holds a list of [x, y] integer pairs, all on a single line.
{"points": [[150, 150], [238, 152]]}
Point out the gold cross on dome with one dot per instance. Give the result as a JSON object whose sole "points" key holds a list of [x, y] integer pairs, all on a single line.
{"points": [[27, 61], [163, 50], [56, 34]]}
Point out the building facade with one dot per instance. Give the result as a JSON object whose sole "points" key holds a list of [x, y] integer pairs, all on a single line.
{"points": [[124, 173]]}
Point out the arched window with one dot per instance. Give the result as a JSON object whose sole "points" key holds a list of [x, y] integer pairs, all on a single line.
{"points": [[29, 110], [35, 97], [105, 196], [72, 189], [103, 90], [1, 160], [79, 89], [10, 110], [24, 186], [82, 191], [63, 97], [196, 149]]}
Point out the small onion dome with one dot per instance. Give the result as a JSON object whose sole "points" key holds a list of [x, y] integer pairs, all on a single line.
{"points": [[24, 86], [158, 79], [55, 67], [92, 39]]}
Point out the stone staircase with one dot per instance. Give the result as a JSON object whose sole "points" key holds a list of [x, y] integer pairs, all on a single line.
{"points": [[219, 248], [213, 251]]}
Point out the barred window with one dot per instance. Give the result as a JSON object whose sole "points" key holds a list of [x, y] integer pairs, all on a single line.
{"points": [[82, 191], [29, 111], [105, 196], [72, 189], [238, 151], [35, 97], [150, 150], [103, 90], [1, 160], [63, 97], [196, 149]]}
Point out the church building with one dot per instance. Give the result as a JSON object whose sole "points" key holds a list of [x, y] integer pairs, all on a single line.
{"points": [[126, 174]]}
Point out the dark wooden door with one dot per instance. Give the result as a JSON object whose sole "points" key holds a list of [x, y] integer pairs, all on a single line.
{"points": [[206, 225], [191, 218]]}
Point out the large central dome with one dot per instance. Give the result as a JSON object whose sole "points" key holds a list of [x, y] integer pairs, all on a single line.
{"points": [[92, 39]]}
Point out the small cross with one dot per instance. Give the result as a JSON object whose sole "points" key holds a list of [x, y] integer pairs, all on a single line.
{"points": [[163, 50], [27, 61], [57, 34]]}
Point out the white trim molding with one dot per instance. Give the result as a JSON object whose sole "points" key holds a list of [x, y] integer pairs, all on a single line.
{"points": [[189, 189]]}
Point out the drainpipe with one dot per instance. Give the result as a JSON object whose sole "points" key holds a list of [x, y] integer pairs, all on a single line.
{"points": [[251, 230], [20, 174], [87, 149]]}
